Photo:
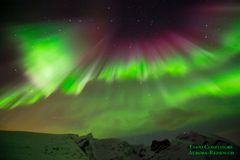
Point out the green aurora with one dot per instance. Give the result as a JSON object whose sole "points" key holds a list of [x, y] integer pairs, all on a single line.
{"points": [[121, 96]]}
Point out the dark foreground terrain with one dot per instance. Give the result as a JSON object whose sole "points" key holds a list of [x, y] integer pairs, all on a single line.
{"points": [[39, 146]]}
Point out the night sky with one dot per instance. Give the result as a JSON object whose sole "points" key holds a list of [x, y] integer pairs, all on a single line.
{"points": [[124, 68]]}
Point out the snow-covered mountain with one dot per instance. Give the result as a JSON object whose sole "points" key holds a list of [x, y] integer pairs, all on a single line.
{"points": [[41, 146]]}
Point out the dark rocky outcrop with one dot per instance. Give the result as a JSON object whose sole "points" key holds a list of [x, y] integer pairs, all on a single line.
{"points": [[157, 146]]}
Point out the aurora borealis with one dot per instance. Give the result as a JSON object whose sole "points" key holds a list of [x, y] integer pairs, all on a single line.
{"points": [[79, 76]]}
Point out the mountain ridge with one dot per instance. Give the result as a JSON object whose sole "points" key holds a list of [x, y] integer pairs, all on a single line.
{"points": [[17, 145]]}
